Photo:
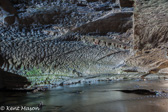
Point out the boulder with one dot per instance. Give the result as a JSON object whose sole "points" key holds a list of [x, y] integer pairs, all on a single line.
{"points": [[10, 80]]}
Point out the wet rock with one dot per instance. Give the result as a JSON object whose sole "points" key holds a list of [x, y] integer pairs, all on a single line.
{"points": [[139, 91], [40, 105], [61, 84], [58, 107], [76, 92]]}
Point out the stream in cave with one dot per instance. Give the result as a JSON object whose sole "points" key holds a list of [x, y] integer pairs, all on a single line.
{"points": [[97, 97]]}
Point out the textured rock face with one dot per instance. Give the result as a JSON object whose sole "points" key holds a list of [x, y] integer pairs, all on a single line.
{"points": [[59, 40], [32, 48], [151, 24], [87, 38], [150, 36], [56, 57], [119, 22], [53, 61], [149, 60]]}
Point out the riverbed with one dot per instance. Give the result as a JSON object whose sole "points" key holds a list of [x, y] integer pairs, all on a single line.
{"points": [[94, 97]]}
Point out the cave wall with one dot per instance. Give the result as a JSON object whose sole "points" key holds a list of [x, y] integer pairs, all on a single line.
{"points": [[150, 24], [150, 36], [119, 22], [150, 31]]}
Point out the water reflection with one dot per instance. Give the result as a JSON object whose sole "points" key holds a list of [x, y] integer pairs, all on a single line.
{"points": [[100, 97]]}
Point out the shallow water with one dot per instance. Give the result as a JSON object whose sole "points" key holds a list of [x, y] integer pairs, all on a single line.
{"points": [[97, 97]]}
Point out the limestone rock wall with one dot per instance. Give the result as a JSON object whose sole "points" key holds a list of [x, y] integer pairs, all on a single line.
{"points": [[150, 36], [27, 49], [119, 22], [151, 24]]}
